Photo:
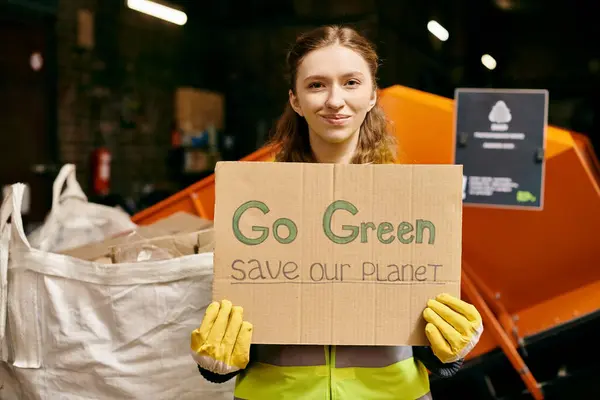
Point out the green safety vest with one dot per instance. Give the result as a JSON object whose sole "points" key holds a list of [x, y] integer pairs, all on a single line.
{"points": [[333, 373]]}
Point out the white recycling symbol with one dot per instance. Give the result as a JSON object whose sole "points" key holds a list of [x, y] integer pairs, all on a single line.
{"points": [[500, 116]]}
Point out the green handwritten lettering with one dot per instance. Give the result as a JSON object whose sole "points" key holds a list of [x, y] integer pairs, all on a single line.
{"points": [[236, 223], [328, 216], [421, 226], [403, 229], [383, 229], [292, 230]]}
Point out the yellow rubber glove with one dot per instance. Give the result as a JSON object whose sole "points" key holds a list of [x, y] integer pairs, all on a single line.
{"points": [[222, 342], [454, 327]]}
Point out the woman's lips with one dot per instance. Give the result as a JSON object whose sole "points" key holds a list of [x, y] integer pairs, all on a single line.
{"points": [[336, 119]]}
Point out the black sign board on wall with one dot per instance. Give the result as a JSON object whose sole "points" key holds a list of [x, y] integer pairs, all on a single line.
{"points": [[500, 137]]}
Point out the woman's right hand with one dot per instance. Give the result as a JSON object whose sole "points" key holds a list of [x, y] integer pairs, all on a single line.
{"points": [[222, 342]]}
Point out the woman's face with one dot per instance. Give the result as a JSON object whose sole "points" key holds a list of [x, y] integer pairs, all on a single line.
{"points": [[334, 92]]}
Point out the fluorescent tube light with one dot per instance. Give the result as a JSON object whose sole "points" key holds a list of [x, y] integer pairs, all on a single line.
{"points": [[158, 10], [488, 61], [438, 30]]}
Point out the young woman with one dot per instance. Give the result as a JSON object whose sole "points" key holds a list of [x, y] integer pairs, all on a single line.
{"points": [[333, 117]]}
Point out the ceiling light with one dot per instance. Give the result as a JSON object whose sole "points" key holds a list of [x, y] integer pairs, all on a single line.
{"points": [[505, 4], [158, 10], [36, 61], [438, 30], [488, 61]]}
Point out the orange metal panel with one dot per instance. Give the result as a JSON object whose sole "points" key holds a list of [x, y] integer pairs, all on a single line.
{"points": [[496, 330], [584, 146], [540, 266], [559, 309]]}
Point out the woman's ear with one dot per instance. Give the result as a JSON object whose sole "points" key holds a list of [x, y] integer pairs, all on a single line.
{"points": [[295, 104], [373, 100]]}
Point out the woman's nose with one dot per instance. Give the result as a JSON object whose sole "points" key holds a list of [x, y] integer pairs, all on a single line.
{"points": [[335, 99]]}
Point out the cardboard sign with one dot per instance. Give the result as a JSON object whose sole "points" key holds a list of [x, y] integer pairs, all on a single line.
{"points": [[336, 254], [500, 140]]}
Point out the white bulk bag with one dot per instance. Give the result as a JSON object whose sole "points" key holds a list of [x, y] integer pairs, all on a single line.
{"points": [[73, 221], [82, 330]]}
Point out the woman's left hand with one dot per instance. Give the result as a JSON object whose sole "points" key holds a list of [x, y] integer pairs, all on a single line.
{"points": [[453, 327]]}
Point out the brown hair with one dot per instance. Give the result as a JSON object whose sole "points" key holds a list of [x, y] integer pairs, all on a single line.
{"points": [[290, 137]]}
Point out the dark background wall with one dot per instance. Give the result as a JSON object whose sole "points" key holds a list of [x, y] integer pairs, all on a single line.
{"points": [[119, 92]]}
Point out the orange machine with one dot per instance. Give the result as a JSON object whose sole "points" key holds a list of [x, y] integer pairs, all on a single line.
{"points": [[526, 271]]}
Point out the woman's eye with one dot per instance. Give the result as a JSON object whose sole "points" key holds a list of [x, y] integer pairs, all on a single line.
{"points": [[315, 85], [353, 82]]}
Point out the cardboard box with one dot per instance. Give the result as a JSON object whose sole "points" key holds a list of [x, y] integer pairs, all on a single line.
{"points": [[196, 109], [337, 254], [180, 222], [165, 247]]}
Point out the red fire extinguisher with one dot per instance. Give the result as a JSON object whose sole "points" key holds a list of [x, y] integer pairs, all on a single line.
{"points": [[101, 171]]}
